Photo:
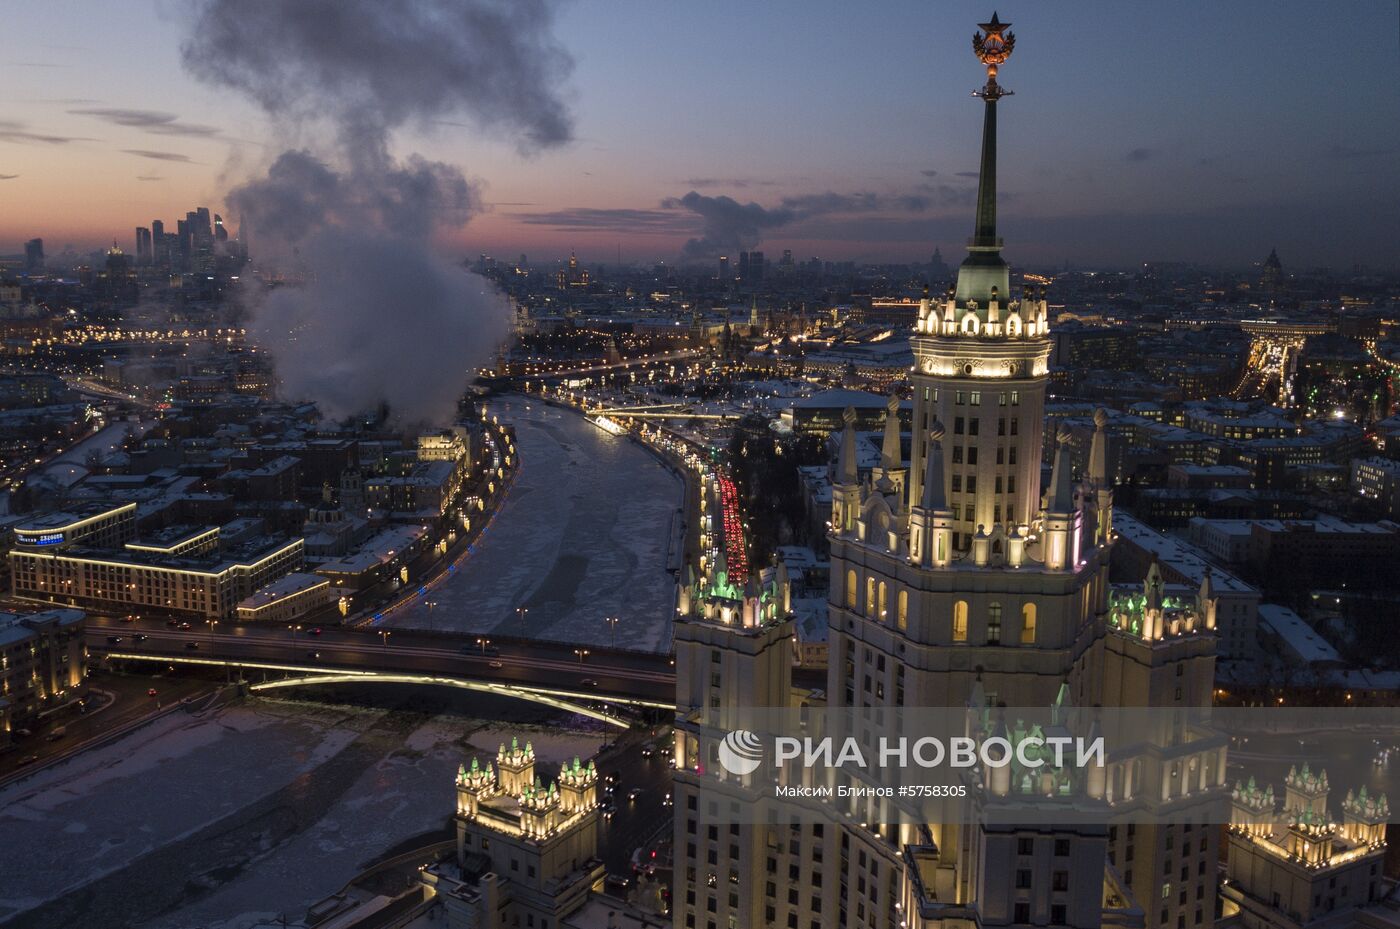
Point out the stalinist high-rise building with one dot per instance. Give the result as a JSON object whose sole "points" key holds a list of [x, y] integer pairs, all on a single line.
{"points": [[958, 581]]}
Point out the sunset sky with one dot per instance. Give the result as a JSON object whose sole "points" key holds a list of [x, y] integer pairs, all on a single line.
{"points": [[1201, 131]]}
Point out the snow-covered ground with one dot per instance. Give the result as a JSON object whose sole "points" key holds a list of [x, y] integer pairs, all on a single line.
{"points": [[235, 817], [582, 536]]}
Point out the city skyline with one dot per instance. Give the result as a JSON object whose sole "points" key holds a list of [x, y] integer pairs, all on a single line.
{"points": [[1252, 144]]}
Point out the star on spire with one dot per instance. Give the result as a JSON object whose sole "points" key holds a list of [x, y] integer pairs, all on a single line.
{"points": [[994, 28]]}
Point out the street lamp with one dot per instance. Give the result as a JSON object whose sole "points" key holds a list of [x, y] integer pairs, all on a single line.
{"points": [[582, 653], [484, 643], [520, 612], [384, 638], [613, 621]]}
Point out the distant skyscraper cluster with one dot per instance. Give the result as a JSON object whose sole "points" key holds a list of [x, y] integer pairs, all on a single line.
{"points": [[195, 245]]}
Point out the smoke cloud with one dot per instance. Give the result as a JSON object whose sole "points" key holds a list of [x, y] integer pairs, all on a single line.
{"points": [[376, 315]]}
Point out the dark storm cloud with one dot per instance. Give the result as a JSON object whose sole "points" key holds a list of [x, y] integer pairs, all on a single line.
{"points": [[618, 220], [1140, 154], [738, 183], [147, 121], [11, 131], [929, 173], [160, 156], [377, 64], [8, 177], [728, 226], [356, 222]]}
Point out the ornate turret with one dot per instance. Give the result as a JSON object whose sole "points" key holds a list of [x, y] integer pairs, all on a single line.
{"points": [[1305, 791], [516, 767], [1252, 809], [891, 477], [845, 492], [1059, 517], [1364, 818], [930, 520]]}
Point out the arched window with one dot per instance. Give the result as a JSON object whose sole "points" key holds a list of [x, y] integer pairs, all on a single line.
{"points": [[884, 592], [994, 624], [960, 621], [1028, 624], [852, 591], [870, 596], [903, 615]]}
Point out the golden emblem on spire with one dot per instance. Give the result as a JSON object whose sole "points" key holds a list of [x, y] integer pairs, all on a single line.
{"points": [[992, 49]]}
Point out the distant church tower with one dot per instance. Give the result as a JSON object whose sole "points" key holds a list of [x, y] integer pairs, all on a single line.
{"points": [[1271, 277]]}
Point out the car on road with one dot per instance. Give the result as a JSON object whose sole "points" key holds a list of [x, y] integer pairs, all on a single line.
{"points": [[140, 638], [152, 692], [129, 618], [495, 666], [57, 734], [114, 639], [608, 809], [27, 759], [313, 655], [173, 623], [588, 682], [191, 645], [634, 793], [316, 631], [186, 626], [648, 751]]}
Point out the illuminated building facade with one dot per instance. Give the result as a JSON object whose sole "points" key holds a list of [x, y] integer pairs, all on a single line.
{"points": [[955, 584], [526, 852], [43, 666], [1292, 866], [180, 571]]}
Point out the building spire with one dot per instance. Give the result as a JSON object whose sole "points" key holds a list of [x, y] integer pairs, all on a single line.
{"points": [[992, 49], [984, 268]]}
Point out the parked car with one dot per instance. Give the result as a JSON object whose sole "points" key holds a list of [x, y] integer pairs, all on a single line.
{"points": [[191, 645]]}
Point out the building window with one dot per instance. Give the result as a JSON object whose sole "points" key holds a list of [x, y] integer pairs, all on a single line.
{"points": [[903, 608], [957, 425], [960, 621], [870, 596], [961, 398], [975, 398], [1028, 624], [884, 590], [957, 454], [972, 423], [994, 624], [852, 590]]}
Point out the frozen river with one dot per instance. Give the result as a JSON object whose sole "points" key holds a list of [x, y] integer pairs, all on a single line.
{"points": [[231, 818], [583, 535]]}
